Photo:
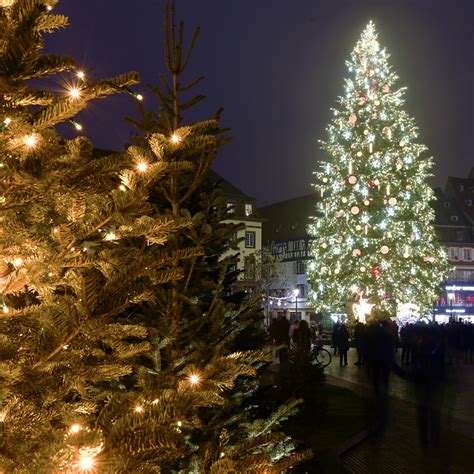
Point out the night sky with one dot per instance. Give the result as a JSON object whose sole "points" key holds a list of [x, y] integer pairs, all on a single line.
{"points": [[276, 67]]}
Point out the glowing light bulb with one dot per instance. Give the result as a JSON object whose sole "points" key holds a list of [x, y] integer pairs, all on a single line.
{"points": [[81, 75], [49, 8], [5, 309], [142, 166], [110, 236], [139, 97], [18, 262], [7, 121], [179, 423], [76, 125], [74, 93], [194, 379], [86, 462], [30, 141], [139, 409], [176, 139], [75, 428], [122, 187]]}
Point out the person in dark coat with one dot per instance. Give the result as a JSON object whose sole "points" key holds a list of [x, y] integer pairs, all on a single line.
{"points": [[360, 342], [335, 329], [342, 343], [302, 337], [281, 336]]}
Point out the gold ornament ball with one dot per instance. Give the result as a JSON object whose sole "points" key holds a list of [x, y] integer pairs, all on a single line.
{"points": [[384, 249], [352, 179], [392, 201], [355, 210]]}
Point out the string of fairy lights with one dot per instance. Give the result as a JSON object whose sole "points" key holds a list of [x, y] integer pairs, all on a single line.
{"points": [[86, 458]]}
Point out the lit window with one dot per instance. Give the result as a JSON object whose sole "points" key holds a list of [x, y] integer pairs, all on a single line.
{"points": [[468, 202], [300, 267], [248, 209], [467, 254], [249, 239], [460, 235], [230, 207]]}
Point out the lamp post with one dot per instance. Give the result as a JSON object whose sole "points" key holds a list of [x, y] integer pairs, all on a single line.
{"points": [[296, 292]]}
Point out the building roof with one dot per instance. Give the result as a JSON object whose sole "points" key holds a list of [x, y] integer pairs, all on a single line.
{"points": [[288, 220], [446, 208], [462, 189], [228, 189]]}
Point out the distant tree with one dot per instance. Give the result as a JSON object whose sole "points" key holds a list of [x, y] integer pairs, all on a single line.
{"points": [[374, 241]]}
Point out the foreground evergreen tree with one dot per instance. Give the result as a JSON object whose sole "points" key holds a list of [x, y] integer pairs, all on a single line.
{"points": [[197, 390], [80, 248], [374, 238]]}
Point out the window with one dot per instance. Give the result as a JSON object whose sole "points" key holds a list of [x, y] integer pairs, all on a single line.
{"points": [[466, 254], [460, 187], [447, 204], [454, 218], [460, 235], [248, 209], [232, 268], [230, 207], [453, 253], [302, 293], [300, 267], [468, 202], [249, 239], [296, 245]]}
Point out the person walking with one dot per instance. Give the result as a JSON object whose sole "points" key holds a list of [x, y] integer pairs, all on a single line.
{"points": [[360, 342], [342, 343], [335, 330]]}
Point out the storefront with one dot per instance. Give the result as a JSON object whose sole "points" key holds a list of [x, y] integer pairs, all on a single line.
{"points": [[456, 301]]}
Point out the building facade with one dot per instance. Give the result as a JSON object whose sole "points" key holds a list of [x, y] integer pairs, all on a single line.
{"points": [[284, 232], [243, 214]]}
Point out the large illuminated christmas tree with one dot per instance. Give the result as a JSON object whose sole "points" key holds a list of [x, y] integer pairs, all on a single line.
{"points": [[374, 242]]}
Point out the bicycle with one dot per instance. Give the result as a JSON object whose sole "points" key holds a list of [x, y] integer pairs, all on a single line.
{"points": [[321, 356]]}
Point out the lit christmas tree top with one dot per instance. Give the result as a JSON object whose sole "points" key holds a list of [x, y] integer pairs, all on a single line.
{"points": [[374, 239]]}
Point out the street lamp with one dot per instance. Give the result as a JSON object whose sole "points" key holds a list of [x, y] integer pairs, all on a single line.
{"points": [[296, 292]]}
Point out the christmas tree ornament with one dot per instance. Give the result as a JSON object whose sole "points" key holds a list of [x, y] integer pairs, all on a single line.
{"points": [[352, 119], [356, 252], [352, 179], [355, 210], [384, 250], [392, 201], [376, 271], [385, 88]]}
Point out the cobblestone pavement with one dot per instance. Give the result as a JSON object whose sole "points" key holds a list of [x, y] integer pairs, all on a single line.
{"points": [[396, 447]]}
